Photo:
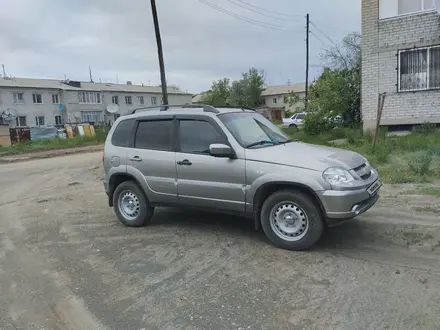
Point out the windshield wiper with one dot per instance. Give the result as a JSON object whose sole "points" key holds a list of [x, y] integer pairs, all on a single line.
{"points": [[262, 142]]}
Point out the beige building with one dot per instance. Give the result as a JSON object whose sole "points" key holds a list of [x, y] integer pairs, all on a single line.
{"points": [[401, 57], [275, 97], [36, 102]]}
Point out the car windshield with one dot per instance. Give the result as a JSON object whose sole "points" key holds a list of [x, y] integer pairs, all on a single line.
{"points": [[253, 130]]}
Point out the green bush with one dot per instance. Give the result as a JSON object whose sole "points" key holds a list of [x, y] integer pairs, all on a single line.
{"points": [[426, 127], [419, 162], [315, 124]]}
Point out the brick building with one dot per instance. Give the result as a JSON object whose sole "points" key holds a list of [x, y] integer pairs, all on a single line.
{"points": [[401, 56]]}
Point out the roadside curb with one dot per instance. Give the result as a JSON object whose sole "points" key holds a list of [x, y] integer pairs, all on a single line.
{"points": [[49, 154]]}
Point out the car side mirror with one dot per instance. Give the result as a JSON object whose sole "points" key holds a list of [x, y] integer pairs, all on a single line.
{"points": [[221, 150]]}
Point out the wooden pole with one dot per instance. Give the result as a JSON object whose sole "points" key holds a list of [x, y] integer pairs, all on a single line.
{"points": [[306, 105], [380, 104], [160, 53]]}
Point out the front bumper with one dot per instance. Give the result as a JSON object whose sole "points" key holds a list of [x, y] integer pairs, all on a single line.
{"points": [[342, 205]]}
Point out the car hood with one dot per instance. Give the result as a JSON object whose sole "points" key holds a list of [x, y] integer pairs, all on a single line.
{"points": [[306, 155]]}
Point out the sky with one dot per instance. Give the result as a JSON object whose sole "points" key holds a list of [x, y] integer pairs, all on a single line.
{"points": [[57, 39]]}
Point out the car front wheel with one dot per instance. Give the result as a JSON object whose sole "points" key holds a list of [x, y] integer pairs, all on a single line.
{"points": [[291, 220], [131, 206]]}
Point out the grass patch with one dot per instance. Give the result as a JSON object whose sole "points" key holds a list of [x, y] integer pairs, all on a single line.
{"points": [[414, 158], [431, 191], [428, 209], [72, 184], [414, 237], [52, 144]]}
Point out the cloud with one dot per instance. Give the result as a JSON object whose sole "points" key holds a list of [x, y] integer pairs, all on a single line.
{"points": [[47, 38]]}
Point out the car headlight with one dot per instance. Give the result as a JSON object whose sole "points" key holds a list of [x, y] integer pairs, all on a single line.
{"points": [[338, 176]]}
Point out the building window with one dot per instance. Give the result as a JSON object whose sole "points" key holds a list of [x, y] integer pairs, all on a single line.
{"points": [[89, 97], [91, 117], [58, 120], [153, 100], [39, 120], [141, 99], [20, 121], [274, 100], [18, 98], [391, 8], [263, 101], [115, 99], [55, 99], [37, 98], [419, 69], [128, 100]]}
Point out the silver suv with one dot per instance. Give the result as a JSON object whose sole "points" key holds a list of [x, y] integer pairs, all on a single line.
{"points": [[233, 160]]}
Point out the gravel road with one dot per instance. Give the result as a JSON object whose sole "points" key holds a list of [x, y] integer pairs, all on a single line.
{"points": [[67, 263]]}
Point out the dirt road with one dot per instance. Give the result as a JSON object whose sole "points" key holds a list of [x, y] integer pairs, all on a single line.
{"points": [[67, 263]]}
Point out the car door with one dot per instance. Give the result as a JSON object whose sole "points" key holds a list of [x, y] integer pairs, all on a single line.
{"points": [[153, 157], [204, 180], [300, 118]]}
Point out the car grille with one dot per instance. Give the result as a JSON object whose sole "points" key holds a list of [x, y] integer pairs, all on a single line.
{"points": [[364, 171]]}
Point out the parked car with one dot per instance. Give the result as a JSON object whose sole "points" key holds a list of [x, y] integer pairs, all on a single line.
{"points": [[295, 121], [236, 161]]}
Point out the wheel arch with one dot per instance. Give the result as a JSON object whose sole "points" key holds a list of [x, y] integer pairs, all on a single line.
{"points": [[265, 190], [115, 180]]}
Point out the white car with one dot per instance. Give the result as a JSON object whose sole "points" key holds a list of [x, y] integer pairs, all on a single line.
{"points": [[295, 121]]}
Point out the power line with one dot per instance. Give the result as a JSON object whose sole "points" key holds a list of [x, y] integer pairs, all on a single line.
{"points": [[246, 19], [269, 11], [318, 38], [259, 10], [323, 33]]}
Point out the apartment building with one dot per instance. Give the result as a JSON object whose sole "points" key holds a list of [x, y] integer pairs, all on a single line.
{"points": [[36, 102], [276, 97], [401, 57]]}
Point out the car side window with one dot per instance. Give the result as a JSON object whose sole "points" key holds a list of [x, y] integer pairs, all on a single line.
{"points": [[155, 135], [300, 116], [293, 117], [121, 135], [196, 136]]}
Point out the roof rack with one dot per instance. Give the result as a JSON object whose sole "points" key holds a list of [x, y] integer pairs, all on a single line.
{"points": [[163, 107], [247, 108], [236, 107]]}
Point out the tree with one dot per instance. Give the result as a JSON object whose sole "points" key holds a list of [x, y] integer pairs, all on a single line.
{"points": [[245, 92], [346, 55], [218, 94], [337, 90]]}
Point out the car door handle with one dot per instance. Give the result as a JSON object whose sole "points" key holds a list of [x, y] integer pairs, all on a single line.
{"points": [[136, 159], [184, 162]]}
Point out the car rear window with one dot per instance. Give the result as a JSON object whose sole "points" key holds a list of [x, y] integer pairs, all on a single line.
{"points": [[155, 134], [122, 133]]}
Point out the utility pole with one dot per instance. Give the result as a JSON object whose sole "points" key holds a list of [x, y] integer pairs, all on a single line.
{"points": [[90, 74], [307, 61], [159, 53]]}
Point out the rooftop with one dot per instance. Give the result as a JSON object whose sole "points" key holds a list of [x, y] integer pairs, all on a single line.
{"points": [[284, 89], [190, 108], [83, 86]]}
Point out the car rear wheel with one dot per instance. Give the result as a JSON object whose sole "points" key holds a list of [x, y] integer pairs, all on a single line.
{"points": [[291, 220], [131, 206]]}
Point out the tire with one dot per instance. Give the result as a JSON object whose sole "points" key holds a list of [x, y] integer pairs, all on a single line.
{"points": [[291, 220], [293, 126], [136, 205]]}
